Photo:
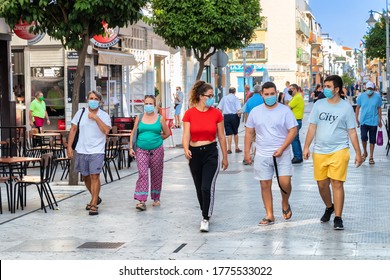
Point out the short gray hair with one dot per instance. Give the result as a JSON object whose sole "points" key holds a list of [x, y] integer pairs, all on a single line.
{"points": [[95, 92], [257, 88]]}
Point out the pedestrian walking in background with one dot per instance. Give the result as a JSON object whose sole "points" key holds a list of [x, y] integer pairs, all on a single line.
{"points": [[151, 130], [287, 97], [247, 93], [297, 105], [179, 96], [231, 109], [254, 101], [332, 121], [94, 125], [275, 127], [38, 112], [202, 125], [370, 103], [317, 94]]}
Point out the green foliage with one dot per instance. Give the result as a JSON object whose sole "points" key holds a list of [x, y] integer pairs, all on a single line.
{"points": [[376, 41], [68, 21], [205, 25], [347, 80]]}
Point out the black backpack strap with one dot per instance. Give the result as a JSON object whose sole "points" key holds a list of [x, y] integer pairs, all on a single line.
{"points": [[277, 174]]}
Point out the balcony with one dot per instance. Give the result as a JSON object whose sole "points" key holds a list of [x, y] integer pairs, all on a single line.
{"points": [[303, 57], [302, 28], [264, 24], [313, 38], [254, 53]]}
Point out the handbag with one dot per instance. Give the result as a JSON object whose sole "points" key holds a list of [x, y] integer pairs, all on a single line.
{"points": [[379, 138], [76, 136]]}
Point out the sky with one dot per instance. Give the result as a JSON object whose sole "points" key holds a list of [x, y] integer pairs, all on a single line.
{"points": [[345, 20]]}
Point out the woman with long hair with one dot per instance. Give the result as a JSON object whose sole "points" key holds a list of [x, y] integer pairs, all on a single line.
{"points": [[202, 125]]}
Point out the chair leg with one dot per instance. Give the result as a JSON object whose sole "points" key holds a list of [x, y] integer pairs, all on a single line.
{"points": [[51, 193], [40, 191], [116, 169]]}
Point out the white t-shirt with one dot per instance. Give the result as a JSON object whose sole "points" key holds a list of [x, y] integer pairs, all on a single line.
{"points": [[229, 104], [91, 139], [271, 126]]}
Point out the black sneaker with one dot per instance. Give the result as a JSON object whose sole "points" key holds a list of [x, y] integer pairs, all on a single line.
{"points": [[296, 160], [328, 212], [338, 223]]}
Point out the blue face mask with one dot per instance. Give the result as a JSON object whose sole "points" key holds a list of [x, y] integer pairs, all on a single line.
{"points": [[93, 104], [369, 92], [149, 108], [270, 100], [210, 102], [328, 93]]}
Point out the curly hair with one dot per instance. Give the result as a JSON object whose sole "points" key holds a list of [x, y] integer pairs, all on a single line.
{"points": [[199, 88]]}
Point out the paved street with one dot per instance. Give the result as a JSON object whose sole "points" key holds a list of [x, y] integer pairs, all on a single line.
{"points": [[171, 231]]}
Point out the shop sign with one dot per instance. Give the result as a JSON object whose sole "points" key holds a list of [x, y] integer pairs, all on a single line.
{"points": [[108, 39], [22, 30], [73, 55]]}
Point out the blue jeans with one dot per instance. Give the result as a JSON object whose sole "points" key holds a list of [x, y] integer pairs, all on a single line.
{"points": [[296, 143]]}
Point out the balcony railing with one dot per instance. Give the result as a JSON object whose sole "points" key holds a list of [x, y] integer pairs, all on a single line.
{"points": [[303, 57], [251, 56], [302, 28]]}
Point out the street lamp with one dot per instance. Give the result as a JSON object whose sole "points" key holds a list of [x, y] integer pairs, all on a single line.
{"points": [[371, 22]]}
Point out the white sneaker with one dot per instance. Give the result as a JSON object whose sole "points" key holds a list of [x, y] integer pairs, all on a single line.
{"points": [[204, 225]]}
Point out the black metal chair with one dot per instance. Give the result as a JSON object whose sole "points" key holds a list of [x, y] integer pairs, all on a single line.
{"points": [[111, 154], [42, 182]]}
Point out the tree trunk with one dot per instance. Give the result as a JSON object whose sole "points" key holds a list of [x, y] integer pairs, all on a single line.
{"points": [[201, 67], [73, 176]]}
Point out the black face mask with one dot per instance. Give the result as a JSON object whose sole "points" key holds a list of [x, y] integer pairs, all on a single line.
{"points": [[290, 92]]}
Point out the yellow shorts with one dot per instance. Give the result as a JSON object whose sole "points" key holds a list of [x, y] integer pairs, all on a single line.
{"points": [[333, 166]]}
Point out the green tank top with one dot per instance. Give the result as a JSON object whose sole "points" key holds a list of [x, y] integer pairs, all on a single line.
{"points": [[149, 135]]}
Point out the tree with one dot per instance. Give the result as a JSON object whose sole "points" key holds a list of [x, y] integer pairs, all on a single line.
{"points": [[205, 26], [73, 23], [376, 41], [347, 80]]}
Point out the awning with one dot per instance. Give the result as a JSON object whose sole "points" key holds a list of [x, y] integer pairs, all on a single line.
{"points": [[116, 58]]}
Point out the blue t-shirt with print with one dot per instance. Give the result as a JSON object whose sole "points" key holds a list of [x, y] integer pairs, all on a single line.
{"points": [[369, 108], [252, 102], [333, 122]]}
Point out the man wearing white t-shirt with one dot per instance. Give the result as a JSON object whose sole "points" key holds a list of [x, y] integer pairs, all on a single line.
{"points": [[275, 128]]}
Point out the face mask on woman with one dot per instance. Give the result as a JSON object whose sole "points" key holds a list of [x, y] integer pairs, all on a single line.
{"points": [[328, 93], [148, 108], [270, 100], [210, 102], [93, 104]]}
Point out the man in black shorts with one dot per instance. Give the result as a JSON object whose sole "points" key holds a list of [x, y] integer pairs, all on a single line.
{"points": [[231, 109]]}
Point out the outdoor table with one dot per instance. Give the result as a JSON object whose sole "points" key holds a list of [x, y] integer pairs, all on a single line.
{"points": [[11, 161], [42, 136]]}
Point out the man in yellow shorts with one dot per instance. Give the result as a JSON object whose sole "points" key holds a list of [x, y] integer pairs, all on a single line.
{"points": [[331, 123]]}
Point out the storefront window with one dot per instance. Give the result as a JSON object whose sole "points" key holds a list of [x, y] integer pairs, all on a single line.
{"points": [[49, 80]]}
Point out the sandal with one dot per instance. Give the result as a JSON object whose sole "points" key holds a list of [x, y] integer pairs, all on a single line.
{"points": [[156, 203], [266, 222], [89, 205], [286, 213], [141, 206], [371, 161], [93, 210], [364, 157]]}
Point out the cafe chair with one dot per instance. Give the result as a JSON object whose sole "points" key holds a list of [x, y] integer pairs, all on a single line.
{"points": [[42, 182], [387, 125], [111, 154], [3, 180], [64, 162]]}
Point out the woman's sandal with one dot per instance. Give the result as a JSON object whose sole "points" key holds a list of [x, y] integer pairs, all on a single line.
{"points": [[266, 222], [371, 161], [286, 213], [93, 210], [141, 206], [156, 203], [89, 205]]}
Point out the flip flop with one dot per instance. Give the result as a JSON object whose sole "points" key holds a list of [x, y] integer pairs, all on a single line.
{"points": [[266, 222], [363, 158], [141, 206], [286, 212], [371, 161]]}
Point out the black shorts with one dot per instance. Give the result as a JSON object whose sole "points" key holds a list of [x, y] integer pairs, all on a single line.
{"points": [[370, 130], [231, 122]]}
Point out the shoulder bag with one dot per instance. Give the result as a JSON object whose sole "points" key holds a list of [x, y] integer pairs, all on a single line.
{"points": [[135, 133], [76, 136]]}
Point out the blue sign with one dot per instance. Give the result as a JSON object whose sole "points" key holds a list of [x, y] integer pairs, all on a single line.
{"points": [[248, 70]]}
